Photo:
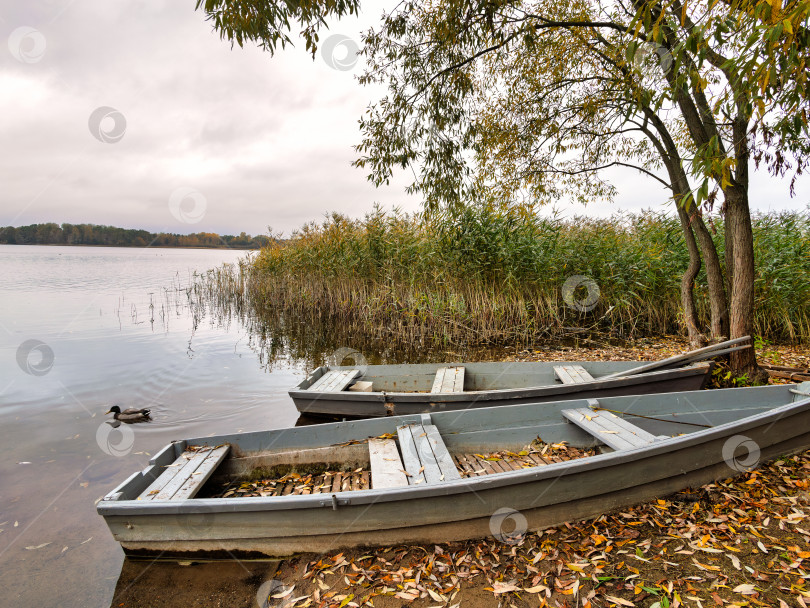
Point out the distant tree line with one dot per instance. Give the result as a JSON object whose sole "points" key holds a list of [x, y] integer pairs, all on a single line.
{"points": [[112, 236]]}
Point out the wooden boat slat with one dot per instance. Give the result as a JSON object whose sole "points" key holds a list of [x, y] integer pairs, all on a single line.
{"points": [[539, 460], [449, 380], [200, 475], [336, 481], [335, 380], [175, 475], [461, 465], [440, 452], [596, 425], [425, 455], [475, 467], [165, 477], [427, 459], [626, 424], [609, 428], [572, 374], [410, 456], [386, 465], [465, 467]]}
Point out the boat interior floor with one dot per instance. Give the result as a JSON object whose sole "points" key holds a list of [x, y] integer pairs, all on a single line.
{"points": [[332, 481]]}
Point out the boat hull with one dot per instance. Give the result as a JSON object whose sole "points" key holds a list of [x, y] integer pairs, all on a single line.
{"points": [[348, 404], [536, 498]]}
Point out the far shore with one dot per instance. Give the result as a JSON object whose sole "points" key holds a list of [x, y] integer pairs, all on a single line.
{"points": [[134, 246]]}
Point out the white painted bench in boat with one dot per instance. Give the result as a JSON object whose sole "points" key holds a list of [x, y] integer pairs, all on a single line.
{"points": [[572, 374], [386, 466], [334, 381], [185, 476], [449, 380], [425, 456], [609, 428]]}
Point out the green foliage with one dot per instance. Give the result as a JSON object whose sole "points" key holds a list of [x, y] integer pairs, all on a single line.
{"points": [[111, 236], [495, 274], [269, 22], [534, 99]]}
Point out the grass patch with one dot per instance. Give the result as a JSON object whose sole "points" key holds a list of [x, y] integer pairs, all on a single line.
{"points": [[496, 276]]}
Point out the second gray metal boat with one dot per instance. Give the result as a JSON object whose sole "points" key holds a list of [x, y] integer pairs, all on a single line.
{"points": [[366, 391]]}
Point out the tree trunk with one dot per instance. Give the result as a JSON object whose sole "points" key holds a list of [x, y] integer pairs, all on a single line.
{"points": [[679, 183], [718, 302], [696, 338], [729, 252], [741, 262]]}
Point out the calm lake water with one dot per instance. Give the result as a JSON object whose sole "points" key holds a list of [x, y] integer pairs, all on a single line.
{"points": [[77, 335]]}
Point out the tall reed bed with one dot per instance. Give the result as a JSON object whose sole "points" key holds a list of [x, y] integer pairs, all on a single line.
{"points": [[495, 276]]}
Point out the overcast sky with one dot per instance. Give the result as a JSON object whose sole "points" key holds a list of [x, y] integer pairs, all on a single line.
{"points": [[136, 114]]}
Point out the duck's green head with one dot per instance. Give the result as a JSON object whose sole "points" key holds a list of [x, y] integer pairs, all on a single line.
{"points": [[114, 410]]}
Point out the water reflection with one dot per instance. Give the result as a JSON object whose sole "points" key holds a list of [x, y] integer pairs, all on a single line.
{"points": [[223, 297]]}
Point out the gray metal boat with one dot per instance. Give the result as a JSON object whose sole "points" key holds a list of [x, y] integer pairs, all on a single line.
{"points": [[407, 389], [447, 475], [366, 391]]}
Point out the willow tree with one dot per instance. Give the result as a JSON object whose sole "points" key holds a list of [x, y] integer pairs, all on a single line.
{"points": [[515, 100]]}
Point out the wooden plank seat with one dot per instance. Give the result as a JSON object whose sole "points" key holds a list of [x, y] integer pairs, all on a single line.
{"points": [[185, 476], [449, 380], [387, 470], [424, 455], [334, 381], [609, 428], [572, 374]]}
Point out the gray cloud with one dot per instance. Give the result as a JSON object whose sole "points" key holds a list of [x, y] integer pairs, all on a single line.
{"points": [[267, 141]]}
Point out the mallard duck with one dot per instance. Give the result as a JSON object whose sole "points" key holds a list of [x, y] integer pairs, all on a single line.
{"points": [[129, 415]]}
